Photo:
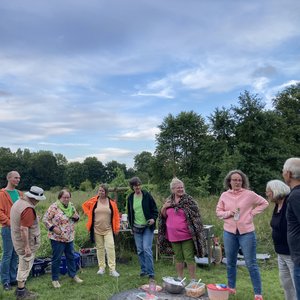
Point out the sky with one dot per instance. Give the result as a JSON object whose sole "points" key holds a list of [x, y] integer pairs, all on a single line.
{"points": [[87, 78]]}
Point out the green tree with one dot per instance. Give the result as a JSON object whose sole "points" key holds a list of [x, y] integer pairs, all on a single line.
{"points": [[257, 140], [120, 181], [44, 169], [111, 170], [7, 164], [143, 164], [287, 105], [181, 147], [95, 170], [222, 146], [75, 174]]}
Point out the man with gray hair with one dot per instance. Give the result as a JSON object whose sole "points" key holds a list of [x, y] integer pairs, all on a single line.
{"points": [[25, 232], [291, 175]]}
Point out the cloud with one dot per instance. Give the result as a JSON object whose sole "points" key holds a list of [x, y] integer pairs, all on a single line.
{"points": [[139, 134], [63, 144], [78, 76], [106, 154]]}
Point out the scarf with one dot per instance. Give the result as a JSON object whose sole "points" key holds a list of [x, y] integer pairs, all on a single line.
{"points": [[68, 211], [194, 221]]}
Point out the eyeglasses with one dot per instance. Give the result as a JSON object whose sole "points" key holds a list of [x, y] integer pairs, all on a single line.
{"points": [[237, 180]]}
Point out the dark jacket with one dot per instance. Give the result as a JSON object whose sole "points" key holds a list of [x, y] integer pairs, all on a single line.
{"points": [[279, 229], [293, 224], [149, 208]]}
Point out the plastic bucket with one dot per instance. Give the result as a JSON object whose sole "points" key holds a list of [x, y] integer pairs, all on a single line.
{"points": [[217, 292]]}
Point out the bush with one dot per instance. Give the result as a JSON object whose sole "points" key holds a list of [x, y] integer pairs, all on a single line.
{"points": [[86, 186]]}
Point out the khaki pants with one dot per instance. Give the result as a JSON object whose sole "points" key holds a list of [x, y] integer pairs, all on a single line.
{"points": [[105, 243], [25, 265]]}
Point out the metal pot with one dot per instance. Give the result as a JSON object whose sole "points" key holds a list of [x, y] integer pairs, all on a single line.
{"points": [[172, 286]]}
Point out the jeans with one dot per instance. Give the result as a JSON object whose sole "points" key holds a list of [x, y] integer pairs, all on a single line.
{"points": [[247, 242], [286, 275], [297, 280], [9, 262], [58, 248], [143, 243]]}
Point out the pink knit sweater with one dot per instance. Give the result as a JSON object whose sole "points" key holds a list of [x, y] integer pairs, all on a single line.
{"points": [[249, 203]]}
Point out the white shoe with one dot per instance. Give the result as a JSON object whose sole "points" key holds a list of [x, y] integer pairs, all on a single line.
{"points": [[77, 279], [101, 271], [114, 273], [56, 284]]}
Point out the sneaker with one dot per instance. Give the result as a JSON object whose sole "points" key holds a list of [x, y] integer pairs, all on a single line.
{"points": [[101, 271], [232, 291], [56, 284], [77, 279], [143, 274], [24, 294], [114, 273], [258, 297], [151, 276], [6, 286], [193, 281]]}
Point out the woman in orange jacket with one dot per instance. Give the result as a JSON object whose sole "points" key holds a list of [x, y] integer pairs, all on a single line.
{"points": [[103, 222]]}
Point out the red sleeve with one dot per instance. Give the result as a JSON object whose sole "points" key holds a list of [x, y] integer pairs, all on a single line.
{"points": [[28, 217]]}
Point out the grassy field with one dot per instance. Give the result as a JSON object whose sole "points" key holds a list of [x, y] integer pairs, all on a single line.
{"points": [[97, 287], [102, 287]]}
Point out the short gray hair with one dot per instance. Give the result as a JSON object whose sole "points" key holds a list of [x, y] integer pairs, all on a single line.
{"points": [[174, 182], [279, 189], [292, 165]]}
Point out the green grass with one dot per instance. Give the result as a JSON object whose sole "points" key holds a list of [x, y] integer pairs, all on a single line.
{"points": [[101, 288], [97, 287]]}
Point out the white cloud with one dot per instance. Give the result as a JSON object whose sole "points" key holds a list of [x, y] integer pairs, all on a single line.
{"points": [[63, 144], [139, 134], [107, 154], [84, 75]]}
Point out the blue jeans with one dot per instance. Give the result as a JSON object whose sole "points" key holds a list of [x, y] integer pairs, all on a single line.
{"points": [[143, 243], [58, 248], [9, 262], [297, 280], [247, 242]]}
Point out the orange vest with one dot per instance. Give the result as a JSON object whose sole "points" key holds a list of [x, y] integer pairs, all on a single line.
{"points": [[88, 208]]}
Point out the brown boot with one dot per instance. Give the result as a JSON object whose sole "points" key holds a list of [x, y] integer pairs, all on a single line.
{"points": [[25, 295]]}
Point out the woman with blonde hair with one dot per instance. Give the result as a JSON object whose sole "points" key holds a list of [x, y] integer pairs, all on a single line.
{"points": [[181, 229], [103, 223], [277, 192]]}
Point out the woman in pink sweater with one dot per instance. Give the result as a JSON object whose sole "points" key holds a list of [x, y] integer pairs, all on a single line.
{"points": [[237, 207]]}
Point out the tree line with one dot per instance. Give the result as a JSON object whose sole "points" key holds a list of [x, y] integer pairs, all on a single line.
{"points": [[246, 136]]}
